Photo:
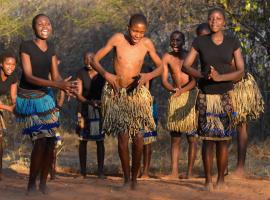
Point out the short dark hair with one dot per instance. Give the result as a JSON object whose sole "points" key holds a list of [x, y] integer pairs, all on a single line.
{"points": [[137, 19], [35, 19], [202, 27], [178, 33], [7, 54], [217, 9]]}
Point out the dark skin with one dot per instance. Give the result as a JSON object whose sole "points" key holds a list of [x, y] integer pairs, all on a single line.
{"points": [[96, 103], [147, 153], [7, 68], [216, 23], [130, 51], [172, 63], [242, 143], [42, 153]]}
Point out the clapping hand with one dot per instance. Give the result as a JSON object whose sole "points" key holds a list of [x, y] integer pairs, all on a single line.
{"points": [[214, 74]]}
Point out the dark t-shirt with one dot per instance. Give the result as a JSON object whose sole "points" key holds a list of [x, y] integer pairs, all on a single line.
{"points": [[218, 56], [92, 88], [40, 61], [5, 85]]}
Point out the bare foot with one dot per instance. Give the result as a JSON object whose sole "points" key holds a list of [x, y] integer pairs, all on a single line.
{"points": [[186, 176], [133, 185], [145, 177], [101, 175], [170, 177], [53, 177], [31, 190], [221, 186], [238, 173], [83, 176], [43, 188], [208, 187]]}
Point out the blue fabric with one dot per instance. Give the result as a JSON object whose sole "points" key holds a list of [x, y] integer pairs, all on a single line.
{"points": [[37, 113], [35, 106]]}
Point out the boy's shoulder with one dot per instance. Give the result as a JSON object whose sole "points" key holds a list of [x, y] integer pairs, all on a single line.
{"points": [[117, 37], [167, 56]]}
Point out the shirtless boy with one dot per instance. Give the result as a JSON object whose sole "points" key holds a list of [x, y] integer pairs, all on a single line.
{"points": [[126, 103], [181, 115]]}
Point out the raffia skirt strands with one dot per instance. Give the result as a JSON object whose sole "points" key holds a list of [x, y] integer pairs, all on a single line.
{"points": [[181, 113], [216, 116], [151, 137], [247, 99], [36, 111], [123, 113]]}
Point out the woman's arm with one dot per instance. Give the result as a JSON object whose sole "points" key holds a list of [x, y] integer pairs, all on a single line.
{"points": [[233, 76], [27, 69], [187, 66]]}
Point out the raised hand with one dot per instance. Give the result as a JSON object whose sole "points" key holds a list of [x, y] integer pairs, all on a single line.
{"points": [[70, 87]]}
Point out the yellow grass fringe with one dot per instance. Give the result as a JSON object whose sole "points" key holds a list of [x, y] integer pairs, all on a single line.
{"points": [[214, 105], [181, 113], [247, 100], [123, 113], [149, 140]]}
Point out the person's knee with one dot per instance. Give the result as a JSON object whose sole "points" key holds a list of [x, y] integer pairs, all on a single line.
{"points": [[192, 140], [175, 140]]}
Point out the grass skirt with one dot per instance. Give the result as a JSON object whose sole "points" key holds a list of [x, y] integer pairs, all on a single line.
{"points": [[216, 116], [151, 137], [36, 111], [181, 113], [123, 113], [247, 99]]}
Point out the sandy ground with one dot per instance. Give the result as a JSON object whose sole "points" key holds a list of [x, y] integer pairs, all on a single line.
{"points": [[70, 186]]}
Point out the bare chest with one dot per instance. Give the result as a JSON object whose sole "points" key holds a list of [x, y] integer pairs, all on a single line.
{"points": [[130, 53], [175, 65]]}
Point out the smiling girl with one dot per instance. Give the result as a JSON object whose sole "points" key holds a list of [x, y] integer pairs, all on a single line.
{"points": [[8, 85], [35, 105]]}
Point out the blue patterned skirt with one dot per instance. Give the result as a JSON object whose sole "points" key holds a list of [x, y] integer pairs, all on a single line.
{"points": [[216, 116], [36, 111]]}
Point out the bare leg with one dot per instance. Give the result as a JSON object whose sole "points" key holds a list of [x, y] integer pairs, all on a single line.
{"points": [[147, 152], [137, 149], [46, 163], [1, 156], [100, 157], [222, 161], [36, 162], [192, 152], [53, 167], [124, 155], [242, 140], [207, 156], [175, 143], [82, 156]]}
